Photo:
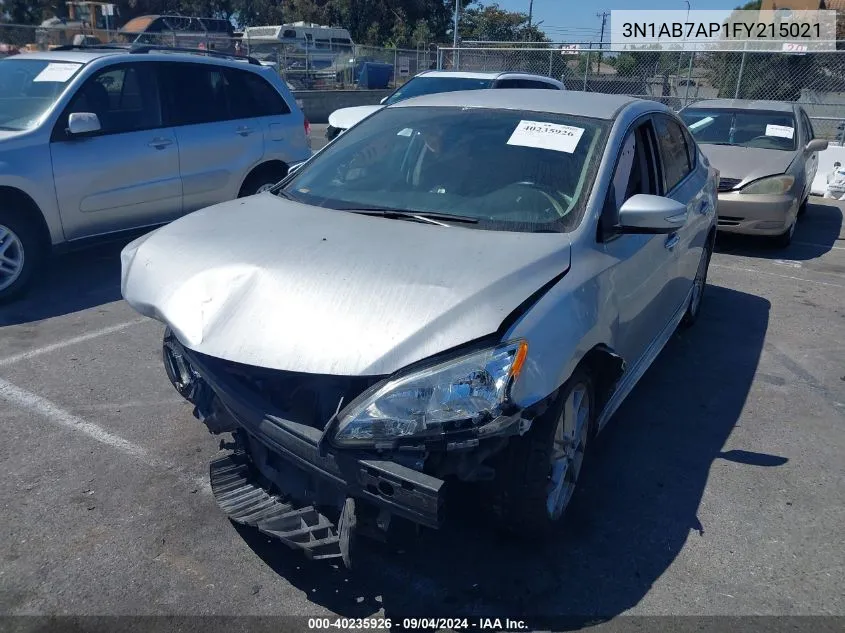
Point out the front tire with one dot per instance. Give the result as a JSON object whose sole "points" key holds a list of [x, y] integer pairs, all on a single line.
{"points": [[784, 239], [537, 473], [21, 254], [698, 285]]}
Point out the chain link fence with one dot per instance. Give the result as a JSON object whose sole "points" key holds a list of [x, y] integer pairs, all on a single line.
{"points": [[676, 78], [319, 69]]}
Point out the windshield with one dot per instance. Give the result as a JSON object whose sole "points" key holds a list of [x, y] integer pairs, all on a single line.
{"points": [[743, 128], [429, 85], [28, 87], [510, 170]]}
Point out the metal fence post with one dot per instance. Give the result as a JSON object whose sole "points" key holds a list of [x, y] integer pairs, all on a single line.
{"points": [[587, 66], [551, 61], [741, 68], [439, 59], [689, 78], [395, 61]]}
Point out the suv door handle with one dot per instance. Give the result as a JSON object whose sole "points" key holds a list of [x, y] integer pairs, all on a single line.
{"points": [[244, 130], [160, 143], [672, 241]]}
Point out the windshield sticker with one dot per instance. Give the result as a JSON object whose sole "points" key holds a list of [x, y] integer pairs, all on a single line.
{"points": [[58, 73], [560, 138], [406, 132], [705, 121], [782, 131]]}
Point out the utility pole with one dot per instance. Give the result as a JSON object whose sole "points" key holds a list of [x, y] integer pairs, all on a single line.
{"points": [[530, 16], [603, 15], [457, 17]]}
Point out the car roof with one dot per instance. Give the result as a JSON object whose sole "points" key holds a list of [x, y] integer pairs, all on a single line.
{"points": [[468, 74], [743, 104], [587, 104]]}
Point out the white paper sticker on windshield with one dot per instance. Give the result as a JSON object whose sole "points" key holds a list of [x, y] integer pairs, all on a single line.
{"points": [[560, 138], [783, 131], [58, 73], [702, 123], [406, 132]]}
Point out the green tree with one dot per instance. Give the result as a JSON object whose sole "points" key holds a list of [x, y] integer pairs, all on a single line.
{"points": [[491, 22]]}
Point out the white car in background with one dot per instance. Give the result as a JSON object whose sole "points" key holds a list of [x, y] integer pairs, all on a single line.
{"points": [[434, 81]]}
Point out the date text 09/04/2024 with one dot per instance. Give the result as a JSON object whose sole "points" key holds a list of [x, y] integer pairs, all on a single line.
{"points": [[728, 30], [454, 624]]}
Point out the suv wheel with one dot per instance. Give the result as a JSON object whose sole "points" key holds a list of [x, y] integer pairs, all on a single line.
{"points": [[262, 180], [537, 473], [20, 254]]}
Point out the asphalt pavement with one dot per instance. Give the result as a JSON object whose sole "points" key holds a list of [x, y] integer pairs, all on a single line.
{"points": [[716, 489]]}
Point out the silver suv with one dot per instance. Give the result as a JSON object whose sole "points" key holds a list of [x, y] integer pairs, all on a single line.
{"points": [[96, 141]]}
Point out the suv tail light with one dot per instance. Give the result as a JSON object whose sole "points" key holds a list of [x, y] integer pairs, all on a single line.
{"points": [[307, 128]]}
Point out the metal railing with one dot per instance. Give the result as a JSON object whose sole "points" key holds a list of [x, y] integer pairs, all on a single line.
{"points": [[677, 78]]}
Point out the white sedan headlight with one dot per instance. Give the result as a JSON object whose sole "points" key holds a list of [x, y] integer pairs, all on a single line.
{"points": [[465, 391], [773, 185]]}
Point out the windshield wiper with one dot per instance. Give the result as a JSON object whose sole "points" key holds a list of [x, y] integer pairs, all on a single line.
{"points": [[287, 195], [431, 217]]}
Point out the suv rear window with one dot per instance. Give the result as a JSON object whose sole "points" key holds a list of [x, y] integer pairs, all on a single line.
{"points": [[217, 93]]}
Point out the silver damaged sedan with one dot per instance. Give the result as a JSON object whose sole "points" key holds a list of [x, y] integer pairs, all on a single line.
{"points": [[462, 288]]}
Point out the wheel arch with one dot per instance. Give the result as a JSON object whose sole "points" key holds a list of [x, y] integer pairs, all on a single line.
{"points": [[272, 166], [17, 198]]}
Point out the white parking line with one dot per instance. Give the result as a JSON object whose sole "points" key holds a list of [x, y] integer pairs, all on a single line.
{"points": [[50, 411], [765, 272], [16, 358]]}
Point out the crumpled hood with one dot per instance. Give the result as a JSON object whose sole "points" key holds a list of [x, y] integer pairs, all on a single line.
{"points": [[278, 284], [345, 118], [747, 163]]}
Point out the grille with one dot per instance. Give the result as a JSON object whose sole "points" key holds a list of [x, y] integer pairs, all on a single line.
{"points": [[728, 184], [308, 399]]}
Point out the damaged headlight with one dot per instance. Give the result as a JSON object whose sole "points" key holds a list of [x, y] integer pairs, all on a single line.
{"points": [[461, 392]]}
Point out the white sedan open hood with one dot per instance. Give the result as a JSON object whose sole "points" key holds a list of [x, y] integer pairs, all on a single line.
{"points": [[278, 284]]}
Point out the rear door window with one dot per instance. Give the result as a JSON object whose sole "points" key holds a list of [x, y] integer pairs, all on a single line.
{"points": [[253, 96]]}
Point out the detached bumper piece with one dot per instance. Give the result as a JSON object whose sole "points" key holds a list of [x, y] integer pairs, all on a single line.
{"points": [[238, 494]]}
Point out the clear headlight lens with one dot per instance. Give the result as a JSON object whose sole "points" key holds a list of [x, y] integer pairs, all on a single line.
{"points": [[771, 185], [471, 388]]}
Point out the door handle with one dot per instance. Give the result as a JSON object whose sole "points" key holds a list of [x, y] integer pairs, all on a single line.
{"points": [[160, 143], [245, 131], [672, 241]]}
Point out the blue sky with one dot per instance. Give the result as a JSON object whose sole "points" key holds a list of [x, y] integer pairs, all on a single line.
{"points": [[576, 20]]}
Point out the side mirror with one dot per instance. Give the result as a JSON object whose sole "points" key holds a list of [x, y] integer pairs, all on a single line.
{"points": [[644, 213], [816, 145], [79, 123]]}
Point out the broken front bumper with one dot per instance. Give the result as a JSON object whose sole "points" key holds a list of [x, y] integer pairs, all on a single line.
{"points": [[279, 474]]}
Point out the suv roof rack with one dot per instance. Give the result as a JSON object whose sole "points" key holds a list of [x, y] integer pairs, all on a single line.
{"points": [[139, 49]]}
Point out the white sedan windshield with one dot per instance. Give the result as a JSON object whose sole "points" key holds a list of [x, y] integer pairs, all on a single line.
{"points": [[509, 170]]}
